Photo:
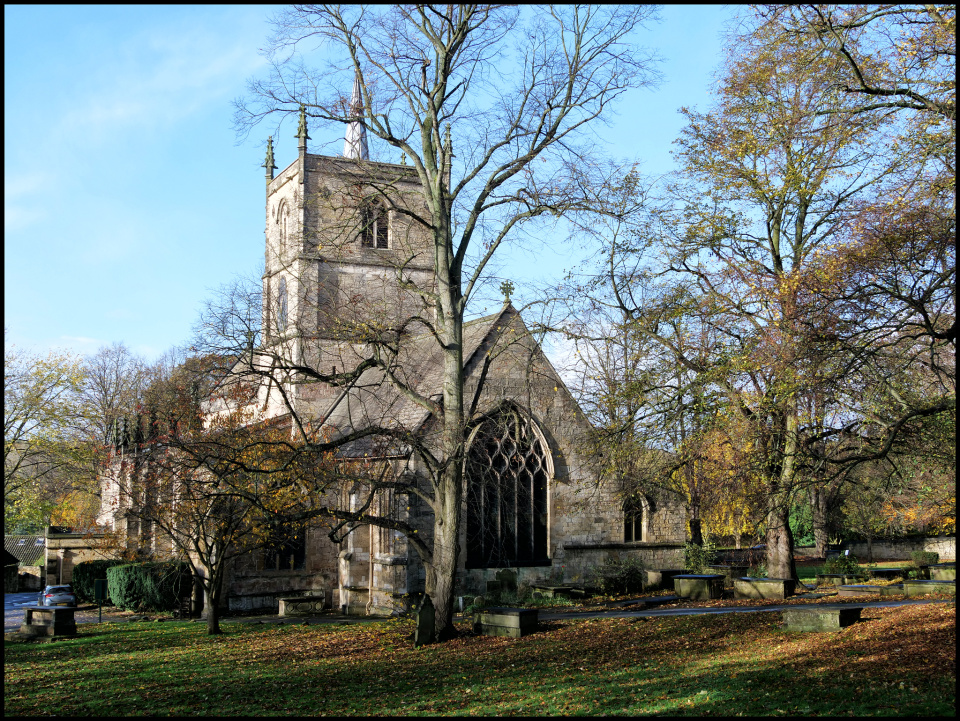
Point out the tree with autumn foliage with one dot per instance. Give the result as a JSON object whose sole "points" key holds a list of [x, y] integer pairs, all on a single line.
{"points": [[210, 488], [821, 311]]}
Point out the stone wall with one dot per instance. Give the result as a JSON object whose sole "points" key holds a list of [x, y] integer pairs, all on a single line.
{"points": [[900, 549], [66, 550]]}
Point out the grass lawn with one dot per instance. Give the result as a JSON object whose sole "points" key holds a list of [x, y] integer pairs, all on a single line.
{"points": [[896, 661]]}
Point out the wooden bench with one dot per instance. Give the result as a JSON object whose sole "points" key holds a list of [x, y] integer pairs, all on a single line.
{"points": [[820, 619], [512, 622], [48, 621]]}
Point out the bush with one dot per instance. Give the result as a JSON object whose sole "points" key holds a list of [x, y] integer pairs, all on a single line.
{"points": [[154, 586], [924, 558], [620, 576], [85, 573], [842, 564], [697, 558]]}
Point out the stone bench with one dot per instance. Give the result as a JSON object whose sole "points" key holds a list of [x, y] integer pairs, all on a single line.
{"points": [[860, 589], [820, 619], [302, 605], [923, 586], [730, 572], [839, 579], [512, 622], [661, 577], [943, 572], [698, 586], [48, 621], [554, 591], [747, 587], [886, 573]]}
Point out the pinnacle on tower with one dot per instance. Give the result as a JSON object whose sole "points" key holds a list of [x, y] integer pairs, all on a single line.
{"points": [[302, 127], [355, 143], [268, 163]]}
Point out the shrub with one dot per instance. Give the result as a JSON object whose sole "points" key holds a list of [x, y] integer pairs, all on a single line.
{"points": [[85, 573], [697, 558], [154, 586], [842, 564], [620, 576], [924, 558]]}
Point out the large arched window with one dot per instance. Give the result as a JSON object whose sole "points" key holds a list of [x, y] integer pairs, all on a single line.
{"points": [[282, 306], [507, 471], [373, 230]]}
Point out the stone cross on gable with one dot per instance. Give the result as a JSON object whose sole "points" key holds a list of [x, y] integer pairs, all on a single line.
{"points": [[506, 287]]}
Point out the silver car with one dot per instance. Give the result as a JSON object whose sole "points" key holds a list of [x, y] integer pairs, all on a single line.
{"points": [[57, 596]]}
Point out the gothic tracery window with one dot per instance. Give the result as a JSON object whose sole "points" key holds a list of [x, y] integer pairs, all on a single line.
{"points": [[373, 230], [507, 471]]}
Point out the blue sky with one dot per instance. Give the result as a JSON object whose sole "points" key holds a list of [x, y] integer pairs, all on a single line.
{"points": [[127, 197]]}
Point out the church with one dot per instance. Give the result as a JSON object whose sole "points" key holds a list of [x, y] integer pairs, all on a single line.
{"points": [[346, 269]]}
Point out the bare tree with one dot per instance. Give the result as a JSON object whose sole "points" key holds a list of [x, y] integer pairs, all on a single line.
{"points": [[508, 86]]}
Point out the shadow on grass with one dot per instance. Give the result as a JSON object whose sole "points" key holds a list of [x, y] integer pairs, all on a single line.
{"points": [[735, 663]]}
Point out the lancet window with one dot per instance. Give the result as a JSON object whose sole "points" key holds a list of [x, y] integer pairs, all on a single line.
{"points": [[374, 229]]}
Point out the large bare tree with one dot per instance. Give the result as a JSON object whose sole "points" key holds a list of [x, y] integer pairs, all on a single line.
{"points": [[516, 91]]}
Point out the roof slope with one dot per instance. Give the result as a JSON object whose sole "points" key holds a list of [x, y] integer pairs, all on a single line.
{"points": [[29, 550], [374, 401]]}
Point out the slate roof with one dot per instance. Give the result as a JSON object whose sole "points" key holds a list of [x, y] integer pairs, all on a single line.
{"points": [[29, 550], [375, 401]]}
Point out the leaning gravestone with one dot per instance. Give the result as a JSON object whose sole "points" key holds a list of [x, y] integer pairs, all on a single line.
{"points": [[426, 623]]}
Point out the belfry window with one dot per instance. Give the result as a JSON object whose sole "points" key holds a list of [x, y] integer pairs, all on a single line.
{"points": [[282, 306], [507, 471], [373, 230]]}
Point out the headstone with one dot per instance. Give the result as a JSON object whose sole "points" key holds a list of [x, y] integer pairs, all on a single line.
{"points": [[508, 579], [426, 623]]}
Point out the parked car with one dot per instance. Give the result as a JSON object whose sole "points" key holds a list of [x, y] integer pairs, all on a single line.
{"points": [[57, 596]]}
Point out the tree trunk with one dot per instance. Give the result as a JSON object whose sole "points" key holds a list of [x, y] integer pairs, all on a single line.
{"points": [[819, 510], [696, 533], [780, 563], [779, 538], [449, 491], [211, 608]]}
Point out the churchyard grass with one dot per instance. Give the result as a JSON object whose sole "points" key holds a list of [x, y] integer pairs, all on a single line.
{"points": [[896, 661]]}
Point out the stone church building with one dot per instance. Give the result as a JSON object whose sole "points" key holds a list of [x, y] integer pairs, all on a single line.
{"points": [[344, 257]]}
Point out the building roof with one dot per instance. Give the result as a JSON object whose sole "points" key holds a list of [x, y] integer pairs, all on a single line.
{"points": [[29, 550], [375, 401]]}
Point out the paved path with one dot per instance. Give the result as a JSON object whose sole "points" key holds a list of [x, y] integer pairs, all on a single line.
{"points": [[13, 612]]}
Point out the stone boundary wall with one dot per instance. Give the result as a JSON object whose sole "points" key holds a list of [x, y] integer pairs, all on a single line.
{"points": [[900, 549]]}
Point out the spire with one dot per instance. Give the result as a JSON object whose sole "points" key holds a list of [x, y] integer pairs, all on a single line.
{"points": [[355, 144], [268, 163]]}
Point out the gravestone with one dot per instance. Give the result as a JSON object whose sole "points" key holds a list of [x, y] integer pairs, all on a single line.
{"points": [[508, 579], [426, 623], [820, 619]]}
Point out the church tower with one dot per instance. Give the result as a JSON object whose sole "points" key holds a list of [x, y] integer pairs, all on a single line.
{"points": [[344, 252]]}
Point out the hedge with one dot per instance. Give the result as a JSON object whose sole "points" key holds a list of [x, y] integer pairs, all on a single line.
{"points": [[153, 586], [86, 572]]}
